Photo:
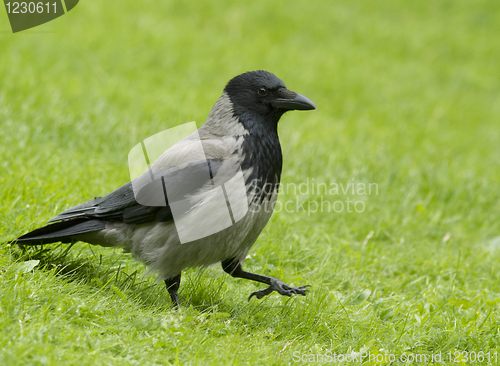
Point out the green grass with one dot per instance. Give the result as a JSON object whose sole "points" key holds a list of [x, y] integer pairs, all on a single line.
{"points": [[408, 98]]}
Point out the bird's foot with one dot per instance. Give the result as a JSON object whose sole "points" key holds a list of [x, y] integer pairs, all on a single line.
{"points": [[281, 288], [175, 300]]}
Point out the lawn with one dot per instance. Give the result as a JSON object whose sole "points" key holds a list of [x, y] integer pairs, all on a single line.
{"points": [[408, 99]]}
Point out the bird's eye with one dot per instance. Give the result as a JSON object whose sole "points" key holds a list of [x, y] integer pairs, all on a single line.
{"points": [[263, 91]]}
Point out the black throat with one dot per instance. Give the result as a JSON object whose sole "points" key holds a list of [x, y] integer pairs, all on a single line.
{"points": [[262, 154]]}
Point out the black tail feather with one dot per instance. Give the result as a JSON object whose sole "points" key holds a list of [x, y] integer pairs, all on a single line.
{"points": [[62, 231]]}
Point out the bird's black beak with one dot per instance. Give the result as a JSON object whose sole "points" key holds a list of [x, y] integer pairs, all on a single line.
{"points": [[289, 100]]}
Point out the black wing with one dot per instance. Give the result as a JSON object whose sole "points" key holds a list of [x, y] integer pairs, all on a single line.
{"points": [[121, 205]]}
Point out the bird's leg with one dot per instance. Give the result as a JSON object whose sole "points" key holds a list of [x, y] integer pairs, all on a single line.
{"points": [[172, 287], [233, 267]]}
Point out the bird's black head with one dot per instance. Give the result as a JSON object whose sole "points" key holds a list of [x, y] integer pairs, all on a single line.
{"points": [[260, 98]]}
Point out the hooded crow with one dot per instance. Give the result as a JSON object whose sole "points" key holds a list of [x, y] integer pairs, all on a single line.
{"points": [[190, 228]]}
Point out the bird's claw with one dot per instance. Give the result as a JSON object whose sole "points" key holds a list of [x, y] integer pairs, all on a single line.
{"points": [[281, 288]]}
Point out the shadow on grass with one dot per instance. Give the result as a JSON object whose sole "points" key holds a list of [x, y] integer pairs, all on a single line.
{"points": [[199, 291]]}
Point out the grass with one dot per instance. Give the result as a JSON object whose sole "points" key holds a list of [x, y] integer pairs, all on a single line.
{"points": [[408, 99]]}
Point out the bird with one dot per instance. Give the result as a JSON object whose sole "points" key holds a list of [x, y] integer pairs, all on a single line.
{"points": [[175, 219]]}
